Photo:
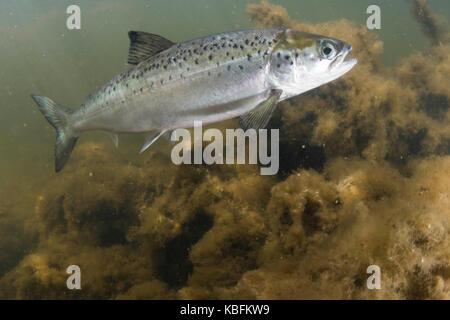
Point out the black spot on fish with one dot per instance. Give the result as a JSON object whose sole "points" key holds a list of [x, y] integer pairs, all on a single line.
{"points": [[210, 57], [209, 73], [292, 62], [242, 47], [218, 64], [246, 41], [249, 57], [235, 46], [205, 48], [140, 89], [229, 68], [187, 69], [296, 55], [278, 65], [241, 67], [196, 61], [228, 54], [278, 55], [162, 81], [165, 67], [287, 57], [232, 58]]}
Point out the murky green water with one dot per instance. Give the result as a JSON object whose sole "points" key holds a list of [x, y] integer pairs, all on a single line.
{"points": [[40, 55]]}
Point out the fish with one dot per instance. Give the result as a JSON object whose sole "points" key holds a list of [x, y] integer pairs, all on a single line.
{"points": [[240, 74]]}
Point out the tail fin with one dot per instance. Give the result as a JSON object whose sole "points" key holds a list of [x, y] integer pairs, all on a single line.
{"points": [[59, 118]]}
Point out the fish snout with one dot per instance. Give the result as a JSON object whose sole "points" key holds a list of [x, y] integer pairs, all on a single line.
{"points": [[341, 59]]}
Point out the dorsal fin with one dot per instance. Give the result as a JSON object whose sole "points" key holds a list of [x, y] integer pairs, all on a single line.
{"points": [[144, 45]]}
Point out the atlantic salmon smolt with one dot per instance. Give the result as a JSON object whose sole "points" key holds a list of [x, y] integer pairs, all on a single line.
{"points": [[239, 74]]}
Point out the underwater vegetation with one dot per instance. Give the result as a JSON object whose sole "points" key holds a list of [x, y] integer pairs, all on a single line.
{"points": [[364, 179]]}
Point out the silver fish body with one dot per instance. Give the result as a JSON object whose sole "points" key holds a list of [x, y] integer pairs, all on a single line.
{"points": [[194, 80], [209, 79]]}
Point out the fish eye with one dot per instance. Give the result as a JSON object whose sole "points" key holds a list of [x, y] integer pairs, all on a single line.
{"points": [[328, 50]]}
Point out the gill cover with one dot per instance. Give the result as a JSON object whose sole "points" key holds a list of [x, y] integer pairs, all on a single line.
{"points": [[302, 61]]}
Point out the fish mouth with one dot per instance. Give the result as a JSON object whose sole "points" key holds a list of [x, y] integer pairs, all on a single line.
{"points": [[341, 64]]}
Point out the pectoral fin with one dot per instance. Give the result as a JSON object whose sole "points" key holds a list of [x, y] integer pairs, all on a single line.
{"points": [[151, 140], [259, 117]]}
